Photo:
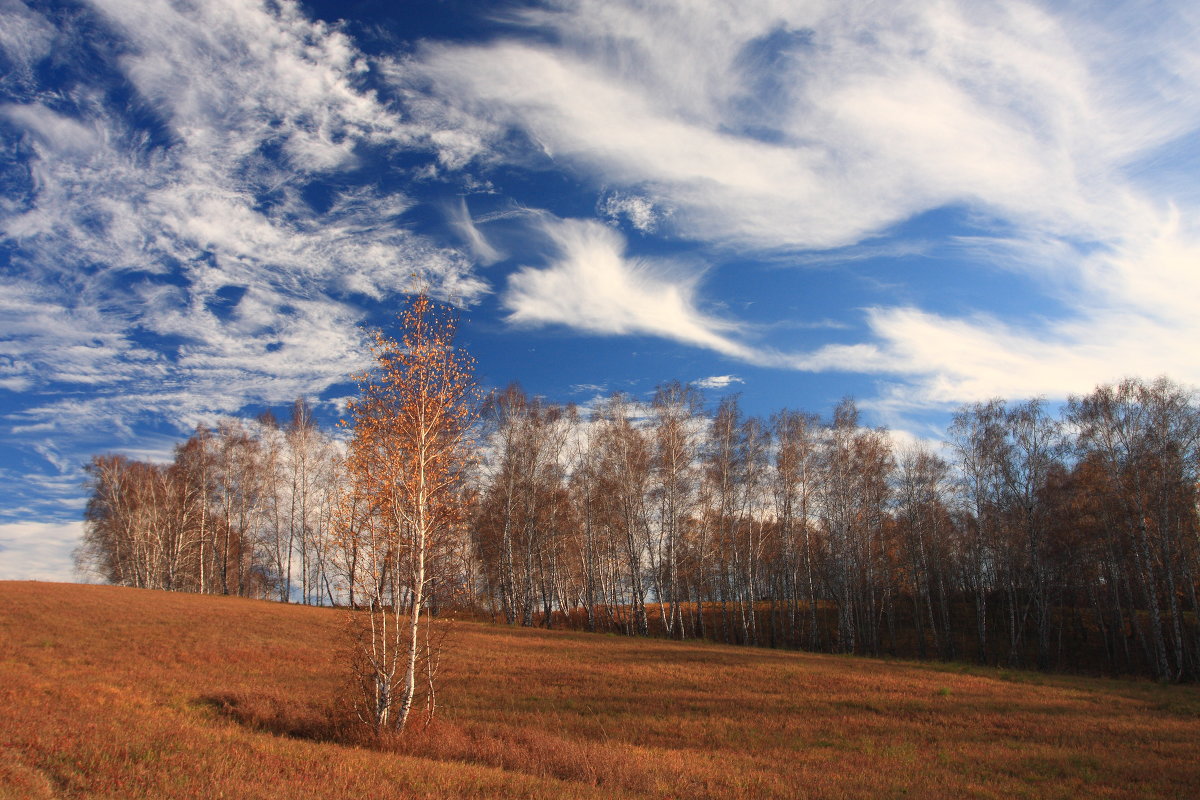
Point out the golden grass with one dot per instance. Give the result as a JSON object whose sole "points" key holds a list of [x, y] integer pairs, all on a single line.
{"points": [[121, 693]]}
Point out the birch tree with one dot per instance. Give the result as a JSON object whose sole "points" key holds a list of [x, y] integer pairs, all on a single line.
{"points": [[408, 454], [1145, 441], [676, 447], [976, 439], [794, 483]]}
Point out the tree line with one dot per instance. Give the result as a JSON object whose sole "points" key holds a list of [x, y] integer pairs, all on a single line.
{"points": [[1028, 538], [244, 508]]}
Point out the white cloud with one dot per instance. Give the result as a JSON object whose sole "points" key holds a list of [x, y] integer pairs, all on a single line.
{"points": [[38, 551], [122, 236], [49, 337], [25, 36], [640, 211], [809, 125], [1134, 315], [231, 75], [54, 132], [774, 127], [591, 284], [462, 222], [717, 382]]}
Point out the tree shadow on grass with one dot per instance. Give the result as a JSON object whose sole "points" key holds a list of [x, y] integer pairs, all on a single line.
{"points": [[283, 716], [544, 753], [335, 722]]}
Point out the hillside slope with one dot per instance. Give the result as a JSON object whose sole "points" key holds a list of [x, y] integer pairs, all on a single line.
{"points": [[122, 693]]}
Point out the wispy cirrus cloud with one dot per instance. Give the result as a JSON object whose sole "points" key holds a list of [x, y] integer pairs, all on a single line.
{"points": [[791, 128], [460, 219], [200, 217], [591, 284], [638, 210], [1137, 318], [807, 125], [717, 382]]}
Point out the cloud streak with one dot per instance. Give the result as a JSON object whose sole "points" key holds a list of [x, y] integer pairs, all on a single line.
{"points": [[130, 230], [590, 284], [717, 382], [782, 129], [811, 126]]}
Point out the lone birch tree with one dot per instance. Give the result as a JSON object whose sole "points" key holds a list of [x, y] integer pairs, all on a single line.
{"points": [[408, 452]]}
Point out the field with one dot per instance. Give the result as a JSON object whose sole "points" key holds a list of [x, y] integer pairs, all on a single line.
{"points": [[121, 693]]}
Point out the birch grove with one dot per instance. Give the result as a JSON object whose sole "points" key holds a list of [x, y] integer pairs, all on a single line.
{"points": [[1025, 538]]}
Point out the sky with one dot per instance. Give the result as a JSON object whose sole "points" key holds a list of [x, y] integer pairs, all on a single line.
{"points": [[204, 204]]}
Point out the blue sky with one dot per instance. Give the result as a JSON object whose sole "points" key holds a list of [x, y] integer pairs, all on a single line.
{"points": [[917, 203]]}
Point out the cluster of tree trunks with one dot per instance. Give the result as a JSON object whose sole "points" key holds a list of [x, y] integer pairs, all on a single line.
{"points": [[245, 508], [1066, 542], [1026, 538]]}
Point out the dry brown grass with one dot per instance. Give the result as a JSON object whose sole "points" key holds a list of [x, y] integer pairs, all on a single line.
{"points": [[108, 692]]}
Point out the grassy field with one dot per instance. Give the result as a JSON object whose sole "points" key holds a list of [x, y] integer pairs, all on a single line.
{"points": [[123, 693]]}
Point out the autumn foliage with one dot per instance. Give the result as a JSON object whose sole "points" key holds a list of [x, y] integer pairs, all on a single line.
{"points": [[1063, 539], [244, 508], [401, 511]]}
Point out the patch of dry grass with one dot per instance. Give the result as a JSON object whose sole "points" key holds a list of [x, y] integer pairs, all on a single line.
{"points": [[109, 692]]}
